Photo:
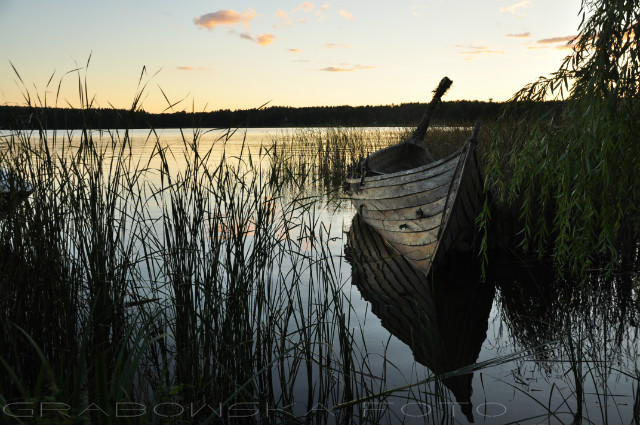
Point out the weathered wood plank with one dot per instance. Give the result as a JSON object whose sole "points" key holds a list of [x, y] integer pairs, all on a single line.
{"points": [[414, 200], [408, 225], [425, 210], [426, 173], [395, 191]]}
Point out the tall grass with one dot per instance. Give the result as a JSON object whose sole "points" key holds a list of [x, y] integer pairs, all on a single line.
{"points": [[173, 282]]}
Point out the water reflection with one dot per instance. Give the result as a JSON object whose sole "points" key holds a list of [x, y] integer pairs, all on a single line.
{"points": [[443, 320], [594, 327]]}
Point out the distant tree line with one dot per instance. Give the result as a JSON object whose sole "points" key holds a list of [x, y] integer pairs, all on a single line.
{"points": [[407, 114]]}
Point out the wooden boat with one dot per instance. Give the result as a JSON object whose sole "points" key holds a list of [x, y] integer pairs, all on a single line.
{"points": [[13, 190], [423, 208], [443, 318]]}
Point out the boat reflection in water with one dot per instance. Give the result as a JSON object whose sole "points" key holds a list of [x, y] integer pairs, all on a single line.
{"points": [[443, 318]]}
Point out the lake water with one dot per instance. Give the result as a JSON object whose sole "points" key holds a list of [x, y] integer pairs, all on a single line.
{"points": [[525, 346]]}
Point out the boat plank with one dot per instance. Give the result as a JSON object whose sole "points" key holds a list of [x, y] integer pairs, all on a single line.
{"points": [[409, 178], [424, 212], [400, 214], [415, 200], [394, 191], [408, 225]]}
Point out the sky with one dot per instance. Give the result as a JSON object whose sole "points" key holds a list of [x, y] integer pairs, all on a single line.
{"points": [[240, 54]]}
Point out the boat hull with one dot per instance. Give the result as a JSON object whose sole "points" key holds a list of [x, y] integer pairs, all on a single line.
{"points": [[422, 212]]}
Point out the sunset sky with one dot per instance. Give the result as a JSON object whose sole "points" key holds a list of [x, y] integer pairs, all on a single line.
{"points": [[242, 54]]}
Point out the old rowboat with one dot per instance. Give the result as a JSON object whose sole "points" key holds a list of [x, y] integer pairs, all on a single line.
{"points": [[423, 208]]}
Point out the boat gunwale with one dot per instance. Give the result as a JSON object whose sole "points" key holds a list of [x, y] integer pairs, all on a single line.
{"points": [[446, 219]]}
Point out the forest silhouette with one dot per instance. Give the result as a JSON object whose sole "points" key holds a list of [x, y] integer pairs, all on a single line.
{"points": [[407, 114]]}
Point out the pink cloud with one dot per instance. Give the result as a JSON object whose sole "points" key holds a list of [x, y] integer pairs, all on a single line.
{"points": [[320, 12], [283, 18], [347, 69], [520, 35], [476, 50], [336, 46], [305, 7], [228, 17], [190, 68], [346, 15], [514, 8], [265, 39], [552, 40]]}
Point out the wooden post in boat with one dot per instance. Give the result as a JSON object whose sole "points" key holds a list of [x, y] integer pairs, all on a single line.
{"points": [[421, 130]]}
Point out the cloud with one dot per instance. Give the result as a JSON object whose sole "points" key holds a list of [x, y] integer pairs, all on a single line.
{"points": [[305, 7], [478, 49], [418, 7], [483, 51], [265, 39], [347, 69], [283, 18], [336, 46], [560, 43], [521, 35], [320, 13], [287, 19], [227, 17], [347, 15], [552, 40], [294, 50], [190, 68], [513, 9]]}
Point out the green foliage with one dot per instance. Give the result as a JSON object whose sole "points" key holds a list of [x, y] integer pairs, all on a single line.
{"points": [[569, 174]]}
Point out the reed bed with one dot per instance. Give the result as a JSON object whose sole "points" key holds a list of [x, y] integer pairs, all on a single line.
{"points": [[173, 288]]}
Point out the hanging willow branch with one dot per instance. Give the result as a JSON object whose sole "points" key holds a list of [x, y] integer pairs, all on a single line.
{"points": [[568, 171]]}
